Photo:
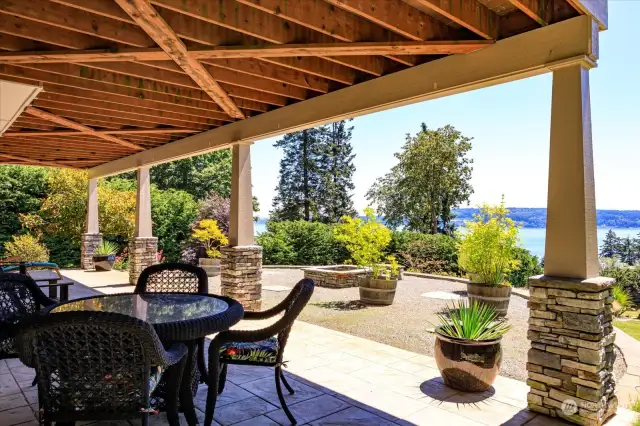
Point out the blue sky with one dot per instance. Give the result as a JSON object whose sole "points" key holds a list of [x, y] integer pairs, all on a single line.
{"points": [[509, 125]]}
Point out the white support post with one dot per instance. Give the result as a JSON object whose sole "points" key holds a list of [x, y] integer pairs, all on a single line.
{"points": [[241, 220], [241, 262], [571, 248], [143, 248], [92, 238]]}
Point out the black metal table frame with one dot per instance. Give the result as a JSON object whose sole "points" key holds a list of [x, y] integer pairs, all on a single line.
{"points": [[187, 332]]}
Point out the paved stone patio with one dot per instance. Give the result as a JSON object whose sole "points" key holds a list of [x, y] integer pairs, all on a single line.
{"points": [[339, 379]]}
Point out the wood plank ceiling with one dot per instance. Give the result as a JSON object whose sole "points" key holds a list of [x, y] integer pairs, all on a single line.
{"points": [[121, 76]]}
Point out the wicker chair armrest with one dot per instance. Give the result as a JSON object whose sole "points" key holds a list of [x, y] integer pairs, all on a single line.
{"points": [[269, 313], [253, 335], [174, 354]]}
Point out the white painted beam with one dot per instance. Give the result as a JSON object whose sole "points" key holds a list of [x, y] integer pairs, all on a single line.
{"points": [[241, 211], [525, 55], [143, 204], [92, 208]]}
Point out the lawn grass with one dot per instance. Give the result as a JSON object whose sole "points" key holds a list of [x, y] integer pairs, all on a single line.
{"points": [[632, 328]]}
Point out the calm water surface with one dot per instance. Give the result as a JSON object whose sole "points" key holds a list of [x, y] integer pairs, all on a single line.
{"points": [[532, 238]]}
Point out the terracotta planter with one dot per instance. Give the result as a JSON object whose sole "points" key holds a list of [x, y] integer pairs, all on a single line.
{"points": [[496, 296], [104, 263], [466, 365], [377, 291], [211, 266]]}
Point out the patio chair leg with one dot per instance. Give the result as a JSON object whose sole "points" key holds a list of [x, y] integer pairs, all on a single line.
{"points": [[223, 378], [202, 364], [286, 384], [281, 397], [35, 381], [174, 378], [212, 393], [145, 419]]}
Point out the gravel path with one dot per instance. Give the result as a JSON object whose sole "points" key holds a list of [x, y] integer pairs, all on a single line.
{"points": [[403, 324]]}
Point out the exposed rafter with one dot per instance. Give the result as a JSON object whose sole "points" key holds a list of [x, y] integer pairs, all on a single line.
{"points": [[470, 14], [79, 127], [101, 132], [31, 161], [540, 11], [152, 23], [251, 52]]}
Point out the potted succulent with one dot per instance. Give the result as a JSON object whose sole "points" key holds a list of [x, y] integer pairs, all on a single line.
{"points": [[468, 348], [366, 239], [211, 237], [105, 256], [487, 251]]}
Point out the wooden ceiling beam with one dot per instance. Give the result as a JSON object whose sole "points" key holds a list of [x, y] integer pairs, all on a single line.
{"points": [[76, 126], [37, 31], [399, 17], [334, 22], [540, 11], [108, 9], [76, 20], [31, 160], [12, 43], [104, 132], [148, 19], [440, 47], [317, 67], [470, 14], [269, 28]]}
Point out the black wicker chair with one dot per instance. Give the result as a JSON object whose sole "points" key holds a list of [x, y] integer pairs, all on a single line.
{"points": [[20, 297], [99, 366], [177, 278], [264, 347]]}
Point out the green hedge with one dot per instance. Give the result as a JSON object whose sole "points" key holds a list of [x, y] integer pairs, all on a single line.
{"points": [[430, 254], [529, 266], [300, 243]]}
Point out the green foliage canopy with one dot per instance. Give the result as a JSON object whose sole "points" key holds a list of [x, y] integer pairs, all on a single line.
{"points": [[431, 178]]}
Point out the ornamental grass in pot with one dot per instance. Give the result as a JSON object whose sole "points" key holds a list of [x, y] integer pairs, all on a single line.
{"points": [[366, 239], [104, 256], [487, 251], [468, 348]]}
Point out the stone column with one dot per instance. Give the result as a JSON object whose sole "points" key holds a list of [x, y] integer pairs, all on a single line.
{"points": [[143, 248], [570, 363], [241, 262], [92, 238]]}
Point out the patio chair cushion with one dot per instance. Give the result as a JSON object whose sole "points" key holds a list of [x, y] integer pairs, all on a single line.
{"points": [[263, 351]]}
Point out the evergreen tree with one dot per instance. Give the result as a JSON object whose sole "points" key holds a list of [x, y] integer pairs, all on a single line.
{"points": [[626, 251], [636, 247], [336, 172], [298, 188], [610, 245]]}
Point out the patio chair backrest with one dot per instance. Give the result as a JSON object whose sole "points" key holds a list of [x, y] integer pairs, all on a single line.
{"points": [[91, 365], [297, 300], [173, 278], [20, 296]]}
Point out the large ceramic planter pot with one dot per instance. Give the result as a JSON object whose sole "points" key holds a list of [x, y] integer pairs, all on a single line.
{"points": [[377, 291], [466, 365], [495, 296], [104, 263], [211, 266]]}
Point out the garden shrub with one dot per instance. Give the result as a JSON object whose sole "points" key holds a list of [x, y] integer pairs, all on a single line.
{"points": [[400, 241], [432, 254], [300, 243], [172, 211], [63, 251], [27, 248], [627, 277], [528, 266], [217, 208]]}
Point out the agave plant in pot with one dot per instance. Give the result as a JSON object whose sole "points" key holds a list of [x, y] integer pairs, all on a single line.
{"points": [[104, 256], [487, 251], [468, 348]]}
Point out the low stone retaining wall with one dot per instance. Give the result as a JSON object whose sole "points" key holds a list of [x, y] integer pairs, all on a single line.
{"points": [[335, 276]]}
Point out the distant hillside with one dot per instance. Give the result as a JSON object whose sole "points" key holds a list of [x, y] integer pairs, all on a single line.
{"points": [[537, 217]]}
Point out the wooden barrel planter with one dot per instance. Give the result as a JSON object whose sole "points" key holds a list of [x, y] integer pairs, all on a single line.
{"points": [[375, 291], [496, 296]]}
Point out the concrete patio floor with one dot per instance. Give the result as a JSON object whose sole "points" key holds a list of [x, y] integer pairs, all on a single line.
{"points": [[339, 379]]}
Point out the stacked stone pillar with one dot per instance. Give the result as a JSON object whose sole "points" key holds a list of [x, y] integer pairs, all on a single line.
{"points": [[241, 275], [570, 363], [88, 245], [143, 252]]}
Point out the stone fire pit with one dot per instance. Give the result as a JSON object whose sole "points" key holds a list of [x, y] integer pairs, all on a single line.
{"points": [[335, 276]]}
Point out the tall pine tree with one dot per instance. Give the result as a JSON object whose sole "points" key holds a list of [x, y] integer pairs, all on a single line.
{"points": [[336, 172], [298, 188], [610, 244], [315, 175]]}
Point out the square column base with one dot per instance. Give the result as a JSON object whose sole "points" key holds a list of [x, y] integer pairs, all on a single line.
{"points": [[570, 363], [143, 253], [88, 245], [241, 275]]}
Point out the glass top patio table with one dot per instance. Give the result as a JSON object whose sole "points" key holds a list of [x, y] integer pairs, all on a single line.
{"points": [[175, 316]]}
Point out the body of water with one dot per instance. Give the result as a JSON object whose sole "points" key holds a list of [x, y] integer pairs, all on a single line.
{"points": [[532, 238]]}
